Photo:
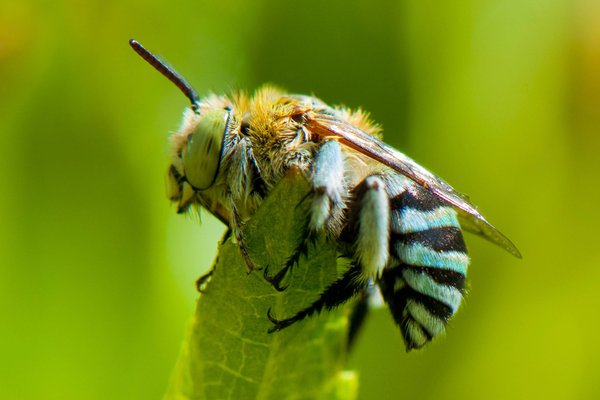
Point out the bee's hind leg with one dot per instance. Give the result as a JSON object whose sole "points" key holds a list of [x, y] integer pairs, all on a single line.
{"points": [[340, 291], [328, 194], [357, 318]]}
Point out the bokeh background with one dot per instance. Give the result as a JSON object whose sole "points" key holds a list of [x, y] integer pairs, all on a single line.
{"points": [[500, 97]]}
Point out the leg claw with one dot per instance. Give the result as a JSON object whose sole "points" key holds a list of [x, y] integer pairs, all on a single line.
{"points": [[278, 324], [276, 279], [203, 280]]}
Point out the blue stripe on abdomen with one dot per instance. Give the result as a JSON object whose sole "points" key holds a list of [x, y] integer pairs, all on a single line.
{"points": [[407, 220], [421, 256], [423, 283]]}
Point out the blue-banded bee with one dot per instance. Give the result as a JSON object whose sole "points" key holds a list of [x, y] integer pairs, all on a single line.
{"points": [[398, 224]]}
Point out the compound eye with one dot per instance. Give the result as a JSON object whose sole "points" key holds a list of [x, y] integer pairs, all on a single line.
{"points": [[202, 154]]}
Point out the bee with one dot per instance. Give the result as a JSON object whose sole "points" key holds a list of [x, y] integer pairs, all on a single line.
{"points": [[400, 225]]}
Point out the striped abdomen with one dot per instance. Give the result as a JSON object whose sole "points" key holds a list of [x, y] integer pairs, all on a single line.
{"points": [[424, 284]]}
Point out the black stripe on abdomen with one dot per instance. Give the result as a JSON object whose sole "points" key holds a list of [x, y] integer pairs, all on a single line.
{"points": [[447, 238]]}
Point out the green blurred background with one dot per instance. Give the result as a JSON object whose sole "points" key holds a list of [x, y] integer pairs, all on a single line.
{"points": [[500, 97]]}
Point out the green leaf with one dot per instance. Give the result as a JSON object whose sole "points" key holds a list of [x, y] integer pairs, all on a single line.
{"points": [[229, 354]]}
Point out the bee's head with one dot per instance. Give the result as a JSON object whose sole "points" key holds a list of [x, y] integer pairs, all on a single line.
{"points": [[198, 146], [197, 153]]}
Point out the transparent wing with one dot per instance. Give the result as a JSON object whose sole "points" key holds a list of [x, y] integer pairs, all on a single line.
{"points": [[470, 218]]}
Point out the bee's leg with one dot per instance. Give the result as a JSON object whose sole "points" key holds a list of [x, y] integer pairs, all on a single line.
{"points": [[327, 194], [369, 217], [307, 239], [204, 279], [328, 186], [244, 252], [236, 230], [369, 226], [340, 291], [357, 318], [275, 280]]}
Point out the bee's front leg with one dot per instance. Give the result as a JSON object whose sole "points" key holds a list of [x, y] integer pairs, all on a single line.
{"points": [[236, 229], [204, 279], [328, 192]]}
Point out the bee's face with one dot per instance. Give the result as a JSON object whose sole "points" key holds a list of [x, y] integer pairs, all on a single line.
{"points": [[197, 152]]}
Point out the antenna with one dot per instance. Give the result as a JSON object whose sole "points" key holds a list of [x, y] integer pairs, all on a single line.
{"points": [[167, 71]]}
